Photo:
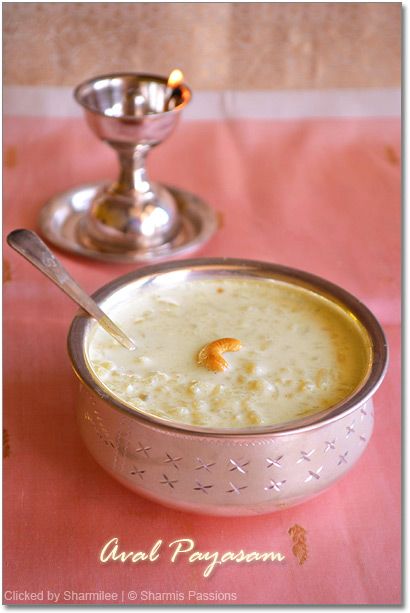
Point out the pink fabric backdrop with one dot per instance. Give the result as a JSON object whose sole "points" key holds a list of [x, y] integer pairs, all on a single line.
{"points": [[320, 195]]}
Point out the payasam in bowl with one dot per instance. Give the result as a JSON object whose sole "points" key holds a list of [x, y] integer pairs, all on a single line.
{"points": [[249, 389]]}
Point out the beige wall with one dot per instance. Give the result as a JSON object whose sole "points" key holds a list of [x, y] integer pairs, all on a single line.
{"points": [[217, 45]]}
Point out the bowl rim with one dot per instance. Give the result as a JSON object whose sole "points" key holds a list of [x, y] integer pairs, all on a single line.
{"points": [[248, 269], [140, 75]]}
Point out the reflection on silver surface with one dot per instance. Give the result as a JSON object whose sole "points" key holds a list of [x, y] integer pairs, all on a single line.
{"points": [[62, 223]]}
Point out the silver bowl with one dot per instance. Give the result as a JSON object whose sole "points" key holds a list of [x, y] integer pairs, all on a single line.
{"points": [[224, 471]]}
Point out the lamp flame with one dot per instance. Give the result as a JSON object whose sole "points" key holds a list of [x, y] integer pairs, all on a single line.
{"points": [[175, 78]]}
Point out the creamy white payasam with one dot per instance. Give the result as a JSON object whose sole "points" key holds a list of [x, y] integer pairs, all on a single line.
{"points": [[299, 353]]}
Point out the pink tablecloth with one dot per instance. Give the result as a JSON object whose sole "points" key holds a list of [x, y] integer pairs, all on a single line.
{"points": [[320, 195]]}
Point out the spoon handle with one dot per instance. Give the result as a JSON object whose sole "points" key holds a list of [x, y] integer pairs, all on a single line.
{"points": [[31, 247]]}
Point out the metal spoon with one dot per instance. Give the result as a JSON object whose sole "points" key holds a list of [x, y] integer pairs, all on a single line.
{"points": [[30, 246]]}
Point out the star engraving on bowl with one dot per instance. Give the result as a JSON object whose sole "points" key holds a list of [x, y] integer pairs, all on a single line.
{"points": [[343, 458], [277, 462], [235, 489], [137, 471], [305, 456], [330, 445], [143, 449], [202, 488], [239, 465], [362, 438], [173, 461], [275, 485], [205, 465], [349, 430], [168, 481], [314, 474]]}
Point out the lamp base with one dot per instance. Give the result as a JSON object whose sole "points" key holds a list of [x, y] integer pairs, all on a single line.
{"points": [[63, 223]]}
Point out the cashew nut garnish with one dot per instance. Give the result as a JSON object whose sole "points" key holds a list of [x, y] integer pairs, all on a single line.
{"points": [[210, 356]]}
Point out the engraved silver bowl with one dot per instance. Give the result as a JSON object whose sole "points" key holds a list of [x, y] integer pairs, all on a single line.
{"points": [[224, 471]]}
